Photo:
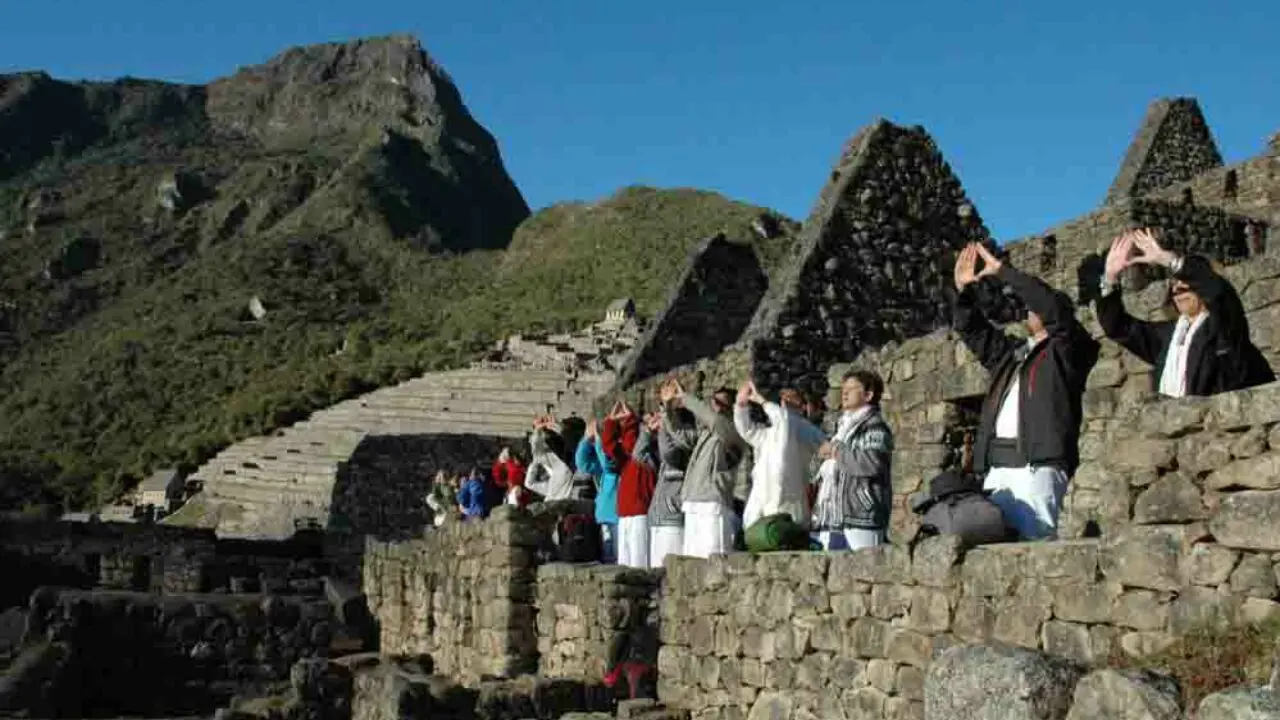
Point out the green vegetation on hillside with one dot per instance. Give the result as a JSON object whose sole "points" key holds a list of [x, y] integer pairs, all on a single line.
{"points": [[151, 358]]}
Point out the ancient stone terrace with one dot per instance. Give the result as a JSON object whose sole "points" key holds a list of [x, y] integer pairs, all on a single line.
{"points": [[260, 486], [1186, 503]]}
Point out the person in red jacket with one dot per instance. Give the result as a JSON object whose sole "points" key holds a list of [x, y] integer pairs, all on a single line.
{"points": [[635, 486], [508, 475]]}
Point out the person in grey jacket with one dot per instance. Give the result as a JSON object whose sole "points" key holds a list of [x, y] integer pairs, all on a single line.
{"points": [[854, 492], [677, 433], [706, 498]]}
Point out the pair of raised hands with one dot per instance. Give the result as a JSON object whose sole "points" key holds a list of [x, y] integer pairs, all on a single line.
{"points": [[966, 269], [542, 422], [1135, 247], [747, 393], [619, 411], [670, 390]]}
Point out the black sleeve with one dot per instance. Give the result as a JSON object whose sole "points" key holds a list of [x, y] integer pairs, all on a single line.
{"points": [[1142, 338], [984, 340]]}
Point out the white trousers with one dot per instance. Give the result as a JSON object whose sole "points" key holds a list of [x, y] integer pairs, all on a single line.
{"points": [[849, 538], [664, 540], [633, 541], [1030, 498], [708, 529]]}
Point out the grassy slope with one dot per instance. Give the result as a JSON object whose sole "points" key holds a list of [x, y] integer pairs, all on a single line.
{"points": [[147, 360]]}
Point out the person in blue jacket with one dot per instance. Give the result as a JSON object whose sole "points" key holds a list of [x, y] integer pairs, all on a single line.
{"points": [[473, 496], [592, 458]]}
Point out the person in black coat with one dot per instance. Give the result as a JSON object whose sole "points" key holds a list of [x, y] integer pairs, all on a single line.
{"points": [[1026, 444], [1207, 350]]}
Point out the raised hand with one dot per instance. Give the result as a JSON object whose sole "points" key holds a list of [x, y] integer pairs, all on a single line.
{"points": [[990, 265], [591, 431], [677, 390], [745, 391], [1118, 257], [1149, 251], [755, 396], [966, 262]]}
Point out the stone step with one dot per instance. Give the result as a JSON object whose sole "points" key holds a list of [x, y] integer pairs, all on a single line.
{"points": [[256, 494], [282, 477], [496, 381], [452, 425], [512, 397], [488, 406]]}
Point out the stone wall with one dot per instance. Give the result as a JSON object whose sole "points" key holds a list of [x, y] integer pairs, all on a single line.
{"points": [[851, 634], [382, 489], [131, 556], [103, 654], [593, 616], [871, 259], [296, 566], [934, 386], [462, 594], [1172, 145], [710, 306]]}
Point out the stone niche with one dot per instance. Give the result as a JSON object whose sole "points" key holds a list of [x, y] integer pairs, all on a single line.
{"points": [[1172, 145], [709, 308], [874, 262]]}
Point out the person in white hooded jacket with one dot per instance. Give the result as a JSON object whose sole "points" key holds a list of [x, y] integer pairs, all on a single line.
{"points": [[548, 474], [783, 450]]}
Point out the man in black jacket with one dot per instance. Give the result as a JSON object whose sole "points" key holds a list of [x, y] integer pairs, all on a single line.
{"points": [[1030, 423], [1207, 349]]}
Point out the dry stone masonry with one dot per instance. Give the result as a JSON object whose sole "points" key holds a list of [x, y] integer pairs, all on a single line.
{"points": [[590, 617], [462, 595], [710, 307], [174, 654], [872, 262], [1173, 144]]}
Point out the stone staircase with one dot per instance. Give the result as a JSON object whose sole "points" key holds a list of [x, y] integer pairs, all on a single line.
{"points": [[260, 486]]}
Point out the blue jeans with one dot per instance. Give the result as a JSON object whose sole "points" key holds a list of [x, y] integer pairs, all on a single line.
{"points": [[609, 542]]}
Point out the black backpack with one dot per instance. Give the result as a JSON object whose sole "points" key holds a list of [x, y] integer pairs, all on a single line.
{"points": [[577, 539]]}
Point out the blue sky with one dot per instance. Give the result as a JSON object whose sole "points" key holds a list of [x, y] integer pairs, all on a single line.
{"points": [[1033, 103]]}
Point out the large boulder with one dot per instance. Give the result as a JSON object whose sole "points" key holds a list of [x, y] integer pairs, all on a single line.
{"points": [[978, 682], [1241, 704], [1126, 695]]}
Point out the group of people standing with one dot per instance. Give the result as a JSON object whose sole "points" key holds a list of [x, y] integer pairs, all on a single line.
{"points": [[666, 481]]}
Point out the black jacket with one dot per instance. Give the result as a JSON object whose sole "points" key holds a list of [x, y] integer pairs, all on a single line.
{"points": [[1052, 378], [1221, 357]]}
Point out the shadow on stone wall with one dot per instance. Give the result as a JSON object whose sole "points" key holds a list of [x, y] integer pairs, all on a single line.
{"points": [[381, 490]]}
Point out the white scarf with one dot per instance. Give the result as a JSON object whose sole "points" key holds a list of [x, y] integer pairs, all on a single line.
{"points": [[844, 430], [1173, 376]]}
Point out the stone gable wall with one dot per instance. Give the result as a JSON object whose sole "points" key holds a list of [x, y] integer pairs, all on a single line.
{"points": [[1173, 144]]}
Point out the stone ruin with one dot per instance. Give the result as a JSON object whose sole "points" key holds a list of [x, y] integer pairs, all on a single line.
{"points": [[1166, 527]]}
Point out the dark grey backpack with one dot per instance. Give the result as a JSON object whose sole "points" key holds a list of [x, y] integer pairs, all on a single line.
{"points": [[954, 506]]}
